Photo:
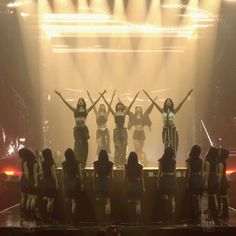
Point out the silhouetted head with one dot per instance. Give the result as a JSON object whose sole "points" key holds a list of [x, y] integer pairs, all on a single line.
{"points": [[223, 153], [168, 105], [138, 110], [195, 151], [27, 155], [212, 153], [103, 156], [102, 108], [120, 106], [47, 155], [22, 152], [168, 153], [132, 159], [69, 155], [81, 103]]}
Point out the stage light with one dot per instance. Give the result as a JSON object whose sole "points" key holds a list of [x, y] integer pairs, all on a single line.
{"points": [[9, 172], [18, 3]]}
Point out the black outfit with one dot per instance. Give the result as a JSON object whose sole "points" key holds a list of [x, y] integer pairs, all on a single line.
{"points": [[213, 187], [102, 182], [103, 134], [195, 181], [167, 181], [195, 187], [27, 185], [223, 190], [48, 183], [213, 183], [134, 185], [72, 181], [81, 136], [120, 137], [224, 184], [23, 181], [142, 120], [167, 187]]}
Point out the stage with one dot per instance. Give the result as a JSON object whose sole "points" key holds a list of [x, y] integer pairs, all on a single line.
{"points": [[10, 225]]}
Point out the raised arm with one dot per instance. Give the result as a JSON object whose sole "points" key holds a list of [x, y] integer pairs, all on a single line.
{"points": [[149, 109], [180, 105], [154, 103], [92, 106], [109, 107], [109, 110], [91, 100], [131, 104], [64, 100]]}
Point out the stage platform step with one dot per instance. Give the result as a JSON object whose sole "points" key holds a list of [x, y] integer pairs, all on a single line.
{"points": [[10, 224]]}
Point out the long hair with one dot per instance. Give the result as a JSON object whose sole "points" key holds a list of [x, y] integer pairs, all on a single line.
{"points": [[212, 154], [103, 156], [47, 156], [119, 103], [70, 155], [195, 152], [223, 154], [136, 110], [84, 103], [165, 108], [168, 153], [22, 152], [102, 105], [132, 159]]}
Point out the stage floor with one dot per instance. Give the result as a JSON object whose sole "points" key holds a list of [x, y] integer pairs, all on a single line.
{"points": [[10, 224]]}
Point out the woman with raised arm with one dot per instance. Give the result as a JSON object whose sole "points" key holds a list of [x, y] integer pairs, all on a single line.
{"points": [[81, 132], [102, 133], [139, 119], [120, 136], [170, 136]]}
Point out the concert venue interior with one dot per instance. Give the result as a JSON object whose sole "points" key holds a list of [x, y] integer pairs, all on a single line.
{"points": [[165, 47]]}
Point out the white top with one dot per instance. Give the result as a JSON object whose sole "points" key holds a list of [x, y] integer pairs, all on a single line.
{"points": [[168, 117]]}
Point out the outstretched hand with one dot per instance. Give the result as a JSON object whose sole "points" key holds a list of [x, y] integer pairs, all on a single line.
{"points": [[103, 92], [58, 93]]}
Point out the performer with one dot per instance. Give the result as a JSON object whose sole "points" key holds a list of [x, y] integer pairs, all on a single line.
{"points": [[212, 182], [81, 132], [28, 183], [170, 136], [102, 133], [72, 182], [223, 203], [134, 184], [167, 183], [50, 183], [102, 181], [120, 135], [139, 119], [195, 181]]}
